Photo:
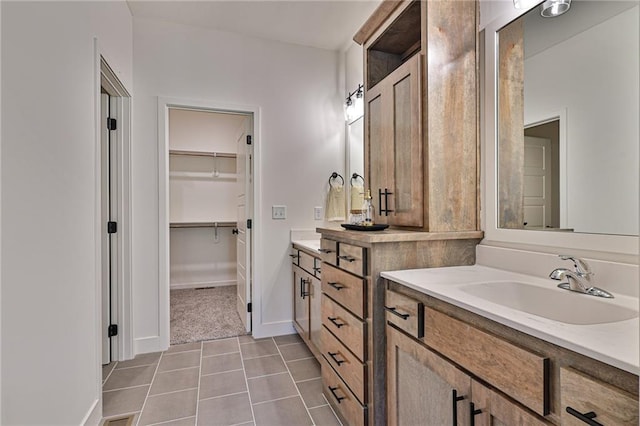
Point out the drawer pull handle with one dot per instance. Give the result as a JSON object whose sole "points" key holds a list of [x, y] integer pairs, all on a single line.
{"points": [[324, 250], [586, 417], [395, 312], [303, 293], [333, 392], [336, 285], [473, 413], [335, 322], [456, 399], [333, 356], [317, 269], [347, 258], [294, 256]]}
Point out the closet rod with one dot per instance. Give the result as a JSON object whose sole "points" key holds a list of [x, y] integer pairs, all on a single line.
{"points": [[203, 153], [202, 224]]}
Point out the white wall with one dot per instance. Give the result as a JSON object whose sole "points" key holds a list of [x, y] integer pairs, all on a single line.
{"points": [[50, 360], [593, 75], [301, 142]]}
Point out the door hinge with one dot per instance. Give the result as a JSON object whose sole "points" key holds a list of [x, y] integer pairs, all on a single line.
{"points": [[112, 330], [112, 227], [249, 223], [249, 140], [112, 124], [249, 307]]}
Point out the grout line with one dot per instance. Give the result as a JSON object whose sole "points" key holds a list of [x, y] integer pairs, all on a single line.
{"points": [[170, 421], [221, 372], [110, 373], [246, 382], [318, 406], [199, 381], [332, 410], [261, 356], [149, 390], [308, 380], [290, 344], [134, 366], [128, 387], [277, 399], [224, 396], [225, 353], [296, 385], [300, 359], [180, 352], [177, 369], [267, 375], [170, 392]]}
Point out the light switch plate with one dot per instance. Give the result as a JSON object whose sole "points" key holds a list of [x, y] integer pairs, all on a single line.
{"points": [[317, 213], [278, 212]]}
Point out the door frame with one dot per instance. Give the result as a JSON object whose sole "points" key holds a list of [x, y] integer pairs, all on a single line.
{"points": [[164, 104], [121, 295]]}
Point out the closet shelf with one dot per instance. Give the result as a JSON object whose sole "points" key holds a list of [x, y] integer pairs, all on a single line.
{"points": [[204, 175], [202, 224], [203, 153]]}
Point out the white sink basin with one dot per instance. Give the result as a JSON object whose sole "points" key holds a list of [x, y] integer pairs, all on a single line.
{"points": [[552, 303]]}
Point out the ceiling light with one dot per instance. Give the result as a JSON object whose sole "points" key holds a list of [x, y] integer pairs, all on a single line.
{"points": [[553, 8]]}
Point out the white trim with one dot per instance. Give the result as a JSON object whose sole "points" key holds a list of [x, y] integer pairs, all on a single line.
{"points": [[204, 284], [606, 244], [272, 329], [144, 345], [94, 415], [164, 103]]}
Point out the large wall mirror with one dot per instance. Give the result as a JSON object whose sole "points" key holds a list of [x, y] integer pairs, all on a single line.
{"points": [[567, 120], [355, 163]]}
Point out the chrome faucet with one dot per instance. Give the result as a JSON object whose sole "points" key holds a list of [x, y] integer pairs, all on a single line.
{"points": [[579, 280]]}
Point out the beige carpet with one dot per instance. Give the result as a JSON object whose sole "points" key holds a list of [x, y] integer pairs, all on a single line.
{"points": [[204, 314]]}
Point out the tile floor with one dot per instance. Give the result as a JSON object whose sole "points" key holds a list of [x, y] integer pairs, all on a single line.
{"points": [[235, 381]]}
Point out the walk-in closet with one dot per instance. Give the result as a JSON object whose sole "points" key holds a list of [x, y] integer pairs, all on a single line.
{"points": [[203, 207]]}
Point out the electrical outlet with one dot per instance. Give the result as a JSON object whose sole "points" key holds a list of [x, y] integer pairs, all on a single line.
{"points": [[317, 213], [278, 212]]}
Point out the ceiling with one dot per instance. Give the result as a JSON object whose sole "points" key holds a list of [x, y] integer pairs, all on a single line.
{"points": [[325, 24]]}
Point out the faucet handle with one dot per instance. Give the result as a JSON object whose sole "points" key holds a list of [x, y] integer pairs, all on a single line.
{"points": [[581, 266]]}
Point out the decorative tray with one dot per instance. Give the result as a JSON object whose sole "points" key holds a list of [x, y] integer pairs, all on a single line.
{"points": [[377, 227]]}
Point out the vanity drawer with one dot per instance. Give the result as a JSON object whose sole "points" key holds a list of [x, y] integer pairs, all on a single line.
{"points": [[341, 398], [295, 256], [405, 312], [309, 263], [521, 374], [346, 327], [583, 394], [329, 251], [352, 259], [344, 288], [350, 369]]}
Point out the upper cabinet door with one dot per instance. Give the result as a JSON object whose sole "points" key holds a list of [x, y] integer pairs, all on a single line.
{"points": [[395, 146]]}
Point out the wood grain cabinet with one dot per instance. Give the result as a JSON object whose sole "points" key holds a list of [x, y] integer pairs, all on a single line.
{"points": [[306, 297]]}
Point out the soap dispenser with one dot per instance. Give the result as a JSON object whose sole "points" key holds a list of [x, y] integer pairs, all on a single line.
{"points": [[368, 209]]}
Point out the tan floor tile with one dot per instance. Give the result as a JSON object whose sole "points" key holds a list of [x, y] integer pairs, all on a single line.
{"points": [[304, 369], [295, 351], [311, 392], [144, 359], [219, 347], [107, 369], [222, 384], [287, 339], [288, 411], [221, 363], [195, 346], [262, 348], [130, 377], [268, 388], [170, 406], [264, 365], [324, 416], [247, 338], [120, 420], [227, 410], [123, 401], [188, 421], [172, 381], [179, 360]]}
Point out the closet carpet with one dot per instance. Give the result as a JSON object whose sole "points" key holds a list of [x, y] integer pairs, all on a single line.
{"points": [[204, 314]]}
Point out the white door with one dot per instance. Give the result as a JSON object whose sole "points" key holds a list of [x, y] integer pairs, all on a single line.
{"points": [[245, 195], [537, 182]]}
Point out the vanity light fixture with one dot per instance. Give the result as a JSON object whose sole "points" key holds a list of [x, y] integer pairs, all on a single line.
{"points": [[355, 109], [553, 8]]}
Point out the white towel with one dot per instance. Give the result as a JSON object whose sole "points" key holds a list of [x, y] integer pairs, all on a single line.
{"points": [[336, 203], [357, 198]]}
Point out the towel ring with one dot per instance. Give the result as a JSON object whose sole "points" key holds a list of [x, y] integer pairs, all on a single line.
{"points": [[335, 175], [355, 176]]}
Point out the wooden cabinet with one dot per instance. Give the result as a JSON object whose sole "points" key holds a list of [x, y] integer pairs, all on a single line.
{"points": [[306, 297], [421, 141]]}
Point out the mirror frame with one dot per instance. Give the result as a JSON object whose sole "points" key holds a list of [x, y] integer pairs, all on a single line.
{"points": [[504, 13]]}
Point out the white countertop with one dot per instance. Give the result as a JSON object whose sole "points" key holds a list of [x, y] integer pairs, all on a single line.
{"points": [[615, 343], [312, 245]]}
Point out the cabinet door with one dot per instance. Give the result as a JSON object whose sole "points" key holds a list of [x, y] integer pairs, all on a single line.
{"points": [[315, 315], [492, 409], [423, 388], [301, 290], [395, 146]]}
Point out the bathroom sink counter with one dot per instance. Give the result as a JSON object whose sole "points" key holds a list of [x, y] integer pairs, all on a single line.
{"points": [[309, 245], [394, 235], [614, 343]]}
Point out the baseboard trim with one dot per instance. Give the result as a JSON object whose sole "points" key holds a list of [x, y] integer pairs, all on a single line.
{"points": [[94, 415], [206, 284], [272, 329], [146, 345]]}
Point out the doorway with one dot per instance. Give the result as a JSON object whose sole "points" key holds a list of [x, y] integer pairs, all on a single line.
{"points": [[209, 200]]}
